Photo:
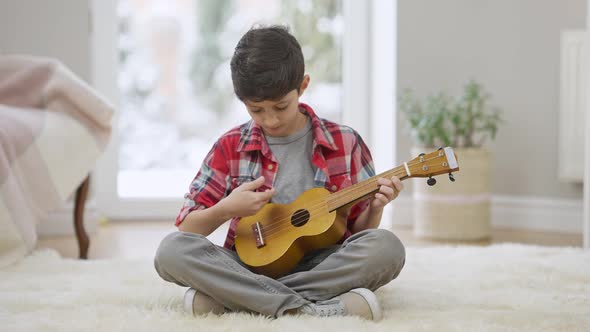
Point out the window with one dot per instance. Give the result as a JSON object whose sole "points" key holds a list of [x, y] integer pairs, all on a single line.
{"points": [[165, 66], [175, 82]]}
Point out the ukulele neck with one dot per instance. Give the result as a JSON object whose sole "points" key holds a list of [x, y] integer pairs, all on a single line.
{"points": [[362, 189]]}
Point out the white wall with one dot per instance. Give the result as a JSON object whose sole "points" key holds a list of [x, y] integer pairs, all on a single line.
{"points": [[56, 28], [512, 47], [587, 153]]}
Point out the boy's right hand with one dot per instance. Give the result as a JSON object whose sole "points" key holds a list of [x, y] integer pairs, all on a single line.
{"points": [[244, 201]]}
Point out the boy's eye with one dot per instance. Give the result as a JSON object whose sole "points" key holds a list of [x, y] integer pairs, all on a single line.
{"points": [[281, 108], [255, 110]]}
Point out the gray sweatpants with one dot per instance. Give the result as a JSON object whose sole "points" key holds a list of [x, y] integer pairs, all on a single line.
{"points": [[368, 259]]}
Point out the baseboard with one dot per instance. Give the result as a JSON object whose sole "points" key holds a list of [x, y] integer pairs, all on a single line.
{"points": [[516, 212], [61, 222], [513, 212]]}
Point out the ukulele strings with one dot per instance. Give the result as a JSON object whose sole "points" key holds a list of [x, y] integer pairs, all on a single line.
{"points": [[277, 225], [280, 226]]}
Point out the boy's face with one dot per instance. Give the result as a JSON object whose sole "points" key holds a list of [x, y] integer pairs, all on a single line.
{"points": [[281, 117]]}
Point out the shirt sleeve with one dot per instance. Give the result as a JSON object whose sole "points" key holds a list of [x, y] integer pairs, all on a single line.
{"points": [[210, 184], [361, 169]]}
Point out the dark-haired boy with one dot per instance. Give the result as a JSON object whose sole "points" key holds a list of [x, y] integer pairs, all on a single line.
{"points": [[284, 150]]}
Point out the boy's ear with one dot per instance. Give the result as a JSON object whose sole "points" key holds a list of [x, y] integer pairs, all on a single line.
{"points": [[304, 84]]}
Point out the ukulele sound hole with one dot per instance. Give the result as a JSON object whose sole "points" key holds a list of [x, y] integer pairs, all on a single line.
{"points": [[300, 218]]}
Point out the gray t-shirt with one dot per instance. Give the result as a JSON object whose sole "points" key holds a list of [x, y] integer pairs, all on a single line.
{"points": [[295, 172]]}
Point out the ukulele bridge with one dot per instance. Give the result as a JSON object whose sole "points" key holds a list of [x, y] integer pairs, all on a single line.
{"points": [[257, 230]]}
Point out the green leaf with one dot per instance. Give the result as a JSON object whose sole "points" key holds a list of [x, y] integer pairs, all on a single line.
{"points": [[439, 118]]}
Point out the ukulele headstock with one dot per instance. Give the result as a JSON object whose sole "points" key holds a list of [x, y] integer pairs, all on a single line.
{"points": [[427, 165]]}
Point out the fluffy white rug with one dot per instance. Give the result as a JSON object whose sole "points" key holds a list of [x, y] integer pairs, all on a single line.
{"points": [[497, 288]]}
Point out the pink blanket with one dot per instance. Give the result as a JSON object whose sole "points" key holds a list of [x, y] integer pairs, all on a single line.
{"points": [[53, 128]]}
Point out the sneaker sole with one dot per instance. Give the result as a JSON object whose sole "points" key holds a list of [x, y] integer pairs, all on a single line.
{"points": [[188, 300], [371, 300]]}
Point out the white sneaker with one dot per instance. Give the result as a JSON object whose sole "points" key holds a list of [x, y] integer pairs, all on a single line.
{"points": [[358, 302], [197, 303]]}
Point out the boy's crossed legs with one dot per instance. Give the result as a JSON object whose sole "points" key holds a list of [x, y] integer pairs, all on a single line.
{"points": [[368, 259]]}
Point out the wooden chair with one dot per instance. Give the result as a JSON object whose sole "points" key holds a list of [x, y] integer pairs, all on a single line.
{"points": [[79, 204]]}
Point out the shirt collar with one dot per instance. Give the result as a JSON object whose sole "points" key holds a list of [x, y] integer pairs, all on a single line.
{"points": [[252, 137]]}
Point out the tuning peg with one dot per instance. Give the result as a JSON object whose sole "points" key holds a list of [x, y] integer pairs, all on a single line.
{"points": [[440, 147], [420, 155], [431, 181], [451, 177]]}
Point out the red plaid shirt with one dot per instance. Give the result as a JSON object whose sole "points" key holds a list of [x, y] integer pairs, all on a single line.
{"points": [[242, 155]]}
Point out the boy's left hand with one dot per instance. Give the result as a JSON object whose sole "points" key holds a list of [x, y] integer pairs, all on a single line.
{"points": [[389, 189]]}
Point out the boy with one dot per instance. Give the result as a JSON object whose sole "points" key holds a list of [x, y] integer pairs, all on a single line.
{"points": [[284, 150]]}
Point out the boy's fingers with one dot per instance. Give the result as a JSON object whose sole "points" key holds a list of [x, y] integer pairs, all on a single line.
{"points": [[387, 191], [397, 183], [269, 193], [266, 195], [252, 185]]}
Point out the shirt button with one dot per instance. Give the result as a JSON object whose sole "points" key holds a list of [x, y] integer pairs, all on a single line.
{"points": [[270, 166], [334, 188]]}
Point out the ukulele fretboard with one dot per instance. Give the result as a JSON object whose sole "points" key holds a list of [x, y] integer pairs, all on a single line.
{"points": [[362, 189]]}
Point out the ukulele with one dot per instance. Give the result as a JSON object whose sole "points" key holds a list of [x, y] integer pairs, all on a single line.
{"points": [[275, 239]]}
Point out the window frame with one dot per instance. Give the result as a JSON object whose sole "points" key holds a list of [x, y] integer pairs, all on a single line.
{"points": [[369, 97]]}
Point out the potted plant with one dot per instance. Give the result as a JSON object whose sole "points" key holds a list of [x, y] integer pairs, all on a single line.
{"points": [[457, 210]]}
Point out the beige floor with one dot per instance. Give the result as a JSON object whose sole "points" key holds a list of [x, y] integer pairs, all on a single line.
{"points": [[135, 239]]}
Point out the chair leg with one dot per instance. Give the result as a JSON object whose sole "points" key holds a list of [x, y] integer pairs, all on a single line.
{"points": [[80, 202]]}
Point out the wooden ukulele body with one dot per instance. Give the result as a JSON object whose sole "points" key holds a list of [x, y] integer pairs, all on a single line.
{"points": [[274, 240]]}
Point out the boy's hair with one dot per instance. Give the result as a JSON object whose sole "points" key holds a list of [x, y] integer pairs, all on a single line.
{"points": [[267, 64]]}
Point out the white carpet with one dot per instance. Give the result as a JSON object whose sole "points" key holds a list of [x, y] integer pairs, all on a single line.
{"points": [[498, 288]]}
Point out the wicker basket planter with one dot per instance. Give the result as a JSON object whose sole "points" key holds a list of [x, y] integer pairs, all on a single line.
{"points": [[457, 210]]}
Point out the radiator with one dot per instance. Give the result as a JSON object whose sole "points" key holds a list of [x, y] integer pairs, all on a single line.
{"points": [[572, 106]]}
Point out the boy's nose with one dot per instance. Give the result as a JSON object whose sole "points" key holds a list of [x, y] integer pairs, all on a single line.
{"points": [[271, 122]]}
